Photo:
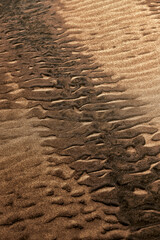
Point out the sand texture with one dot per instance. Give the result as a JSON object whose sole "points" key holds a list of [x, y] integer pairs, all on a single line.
{"points": [[79, 120]]}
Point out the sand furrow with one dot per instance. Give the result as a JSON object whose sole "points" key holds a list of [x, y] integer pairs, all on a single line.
{"points": [[79, 139]]}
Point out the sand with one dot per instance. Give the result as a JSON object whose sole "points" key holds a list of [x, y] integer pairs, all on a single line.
{"points": [[79, 120]]}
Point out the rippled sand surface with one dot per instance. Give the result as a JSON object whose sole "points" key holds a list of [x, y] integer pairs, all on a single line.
{"points": [[79, 120], [123, 37]]}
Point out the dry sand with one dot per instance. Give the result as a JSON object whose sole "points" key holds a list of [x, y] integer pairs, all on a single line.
{"points": [[123, 37], [79, 120]]}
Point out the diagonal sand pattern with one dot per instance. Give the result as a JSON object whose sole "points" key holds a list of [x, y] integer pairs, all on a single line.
{"points": [[40, 188], [123, 36], [74, 162]]}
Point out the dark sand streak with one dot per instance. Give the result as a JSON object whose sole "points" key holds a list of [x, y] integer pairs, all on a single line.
{"points": [[67, 172]]}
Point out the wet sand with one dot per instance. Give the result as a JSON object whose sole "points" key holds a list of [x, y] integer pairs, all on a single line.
{"points": [[79, 120]]}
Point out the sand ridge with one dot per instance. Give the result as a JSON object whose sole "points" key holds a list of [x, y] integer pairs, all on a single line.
{"points": [[123, 37], [74, 159]]}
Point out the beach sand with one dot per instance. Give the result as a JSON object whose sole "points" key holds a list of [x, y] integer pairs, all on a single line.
{"points": [[79, 120]]}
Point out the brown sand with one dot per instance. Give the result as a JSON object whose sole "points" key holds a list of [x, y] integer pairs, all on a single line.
{"points": [[79, 120], [122, 36]]}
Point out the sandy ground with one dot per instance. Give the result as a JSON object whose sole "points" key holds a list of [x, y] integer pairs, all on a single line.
{"points": [[123, 37], [79, 120]]}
